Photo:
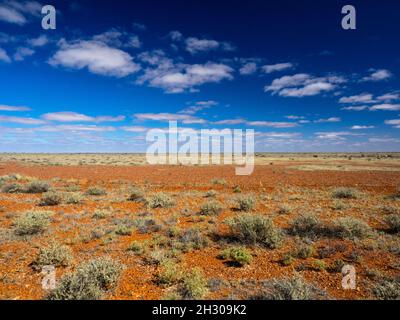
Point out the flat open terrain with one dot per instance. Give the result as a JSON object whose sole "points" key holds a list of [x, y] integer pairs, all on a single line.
{"points": [[167, 226]]}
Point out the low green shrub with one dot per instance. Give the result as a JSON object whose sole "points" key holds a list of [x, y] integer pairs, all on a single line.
{"points": [[51, 198], [96, 191], [54, 255], [345, 193], [194, 286], [255, 229], [393, 222], [161, 200], [290, 289], [74, 198], [37, 187], [211, 194], [32, 222], [211, 208], [305, 225], [90, 281], [387, 289], [238, 255], [101, 214], [246, 203], [352, 228], [12, 188], [218, 181], [136, 195]]}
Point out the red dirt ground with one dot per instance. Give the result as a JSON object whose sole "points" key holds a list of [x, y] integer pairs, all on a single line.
{"points": [[19, 281]]}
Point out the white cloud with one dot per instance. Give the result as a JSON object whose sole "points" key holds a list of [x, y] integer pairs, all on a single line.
{"points": [[285, 135], [248, 68], [11, 15], [134, 42], [97, 56], [360, 98], [338, 135], [175, 35], [301, 85], [355, 108], [277, 67], [332, 119], [393, 122], [75, 128], [358, 127], [388, 97], [13, 108], [39, 41], [267, 124], [383, 140], [117, 38], [196, 45], [272, 124], [308, 90], [386, 107], [177, 78], [109, 119], [18, 12], [67, 116], [4, 56], [22, 53], [187, 119], [20, 120], [293, 117], [230, 122], [134, 129], [378, 75], [199, 106]]}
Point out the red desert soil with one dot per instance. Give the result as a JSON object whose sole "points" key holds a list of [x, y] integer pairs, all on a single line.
{"points": [[19, 281]]}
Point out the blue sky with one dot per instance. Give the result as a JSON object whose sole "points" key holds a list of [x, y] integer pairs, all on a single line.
{"points": [[112, 70]]}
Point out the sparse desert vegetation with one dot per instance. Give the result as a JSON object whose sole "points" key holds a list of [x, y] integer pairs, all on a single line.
{"points": [[115, 228]]}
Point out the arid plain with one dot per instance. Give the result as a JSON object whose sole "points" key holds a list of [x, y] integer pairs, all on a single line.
{"points": [[116, 228]]}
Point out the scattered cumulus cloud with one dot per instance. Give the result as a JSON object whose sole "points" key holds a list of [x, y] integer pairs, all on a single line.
{"points": [[185, 118], [378, 75], [13, 108], [96, 56], [355, 108], [19, 12], [335, 135], [78, 117], [195, 45], [388, 97], [134, 128], [385, 107], [199, 106], [360, 98], [358, 127], [39, 41], [20, 120], [4, 56], [23, 52], [328, 120], [393, 122], [248, 68], [302, 85], [174, 77], [277, 67]]}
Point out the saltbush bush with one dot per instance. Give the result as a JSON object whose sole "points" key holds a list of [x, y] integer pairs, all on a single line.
{"points": [[211, 208], [255, 229], [32, 222], [90, 281]]}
